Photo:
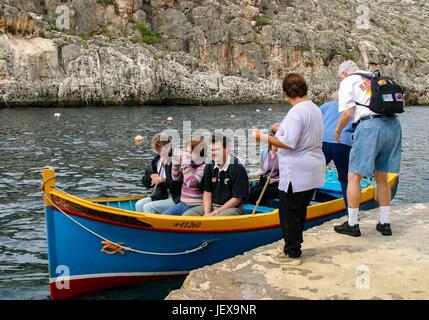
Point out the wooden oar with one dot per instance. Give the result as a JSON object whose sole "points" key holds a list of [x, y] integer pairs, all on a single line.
{"points": [[265, 186]]}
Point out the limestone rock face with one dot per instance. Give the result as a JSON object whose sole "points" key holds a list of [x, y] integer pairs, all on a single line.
{"points": [[175, 28], [71, 71], [26, 24], [248, 44], [22, 61]]}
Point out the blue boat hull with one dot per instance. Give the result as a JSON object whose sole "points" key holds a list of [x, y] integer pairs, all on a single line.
{"points": [[78, 264]]}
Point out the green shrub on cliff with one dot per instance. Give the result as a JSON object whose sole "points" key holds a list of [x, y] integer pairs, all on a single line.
{"points": [[147, 9], [1, 13], [346, 54], [85, 37], [262, 21], [392, 41], [306, 47], [135, 40], [116, 8], [148, 36], [228, 18]]}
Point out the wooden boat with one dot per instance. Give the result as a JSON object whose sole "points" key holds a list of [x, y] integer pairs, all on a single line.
{"points": [[94, 244]]}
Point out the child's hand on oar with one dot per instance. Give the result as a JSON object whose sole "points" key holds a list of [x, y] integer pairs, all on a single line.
{"points": [[157, 180], [259, 172], [154, 175]]}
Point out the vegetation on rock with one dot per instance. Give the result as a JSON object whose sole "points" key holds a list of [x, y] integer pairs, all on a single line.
{"points": [[147, 36]]}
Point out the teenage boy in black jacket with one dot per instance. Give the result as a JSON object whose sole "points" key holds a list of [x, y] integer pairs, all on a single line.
{"points": [[166, 192]]}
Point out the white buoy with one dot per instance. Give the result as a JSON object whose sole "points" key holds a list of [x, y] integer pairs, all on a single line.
{"points": [[257, 110], [232, 116], [269, 109], [56, 114]]}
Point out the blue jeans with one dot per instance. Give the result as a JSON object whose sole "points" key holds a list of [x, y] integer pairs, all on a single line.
{"points": [[376, 147], [178, 209], [149, 206], [340, 154], [140, 204]]}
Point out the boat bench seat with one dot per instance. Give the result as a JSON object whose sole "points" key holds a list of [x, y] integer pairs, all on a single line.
{"points": [[249, 208]]}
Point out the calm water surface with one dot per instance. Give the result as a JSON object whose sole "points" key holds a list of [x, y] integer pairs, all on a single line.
{"points": [[93, 151]]}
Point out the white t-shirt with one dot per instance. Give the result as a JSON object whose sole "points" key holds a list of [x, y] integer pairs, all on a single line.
{"points": [[161, 170], [354, 89], [303, 164]]}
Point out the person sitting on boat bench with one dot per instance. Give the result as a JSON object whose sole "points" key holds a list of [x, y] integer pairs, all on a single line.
{"points": [[225, 183], [274, 128], [268, 160], [166, 192], [268, 157], [189, 168]]}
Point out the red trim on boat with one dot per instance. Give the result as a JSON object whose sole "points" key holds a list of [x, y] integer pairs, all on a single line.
{"points": [[160, 229], [79, 287], [185, 230]]}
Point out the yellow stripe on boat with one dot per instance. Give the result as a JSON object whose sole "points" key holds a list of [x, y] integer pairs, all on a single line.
{"points": [[218, 224]]}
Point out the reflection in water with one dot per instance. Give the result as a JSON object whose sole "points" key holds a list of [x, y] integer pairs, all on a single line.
{"points": [[94, 154]]}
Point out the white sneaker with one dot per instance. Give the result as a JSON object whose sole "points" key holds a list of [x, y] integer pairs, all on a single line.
{"points": [[282, 259]]}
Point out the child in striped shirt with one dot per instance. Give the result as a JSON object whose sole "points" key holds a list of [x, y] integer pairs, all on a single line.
{"points": [[190, 170]]}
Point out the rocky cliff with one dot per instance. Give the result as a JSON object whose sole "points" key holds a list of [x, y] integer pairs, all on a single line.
{"points": [[103, 52]]}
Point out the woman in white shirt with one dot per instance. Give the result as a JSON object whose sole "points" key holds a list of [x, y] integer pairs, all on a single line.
{"points": [[301, 163]]}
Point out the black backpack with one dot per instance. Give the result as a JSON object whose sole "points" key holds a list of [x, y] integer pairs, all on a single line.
{"points": [[387, 96]]}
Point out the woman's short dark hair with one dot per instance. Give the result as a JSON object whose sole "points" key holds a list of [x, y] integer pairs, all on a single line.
{"points": [[222, 139], [294, 85]]}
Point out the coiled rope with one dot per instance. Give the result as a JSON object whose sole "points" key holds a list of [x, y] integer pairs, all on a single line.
{"points": [[118, 245]]}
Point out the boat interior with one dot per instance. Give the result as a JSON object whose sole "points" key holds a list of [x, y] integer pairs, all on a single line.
{"points": [[330, 191]]}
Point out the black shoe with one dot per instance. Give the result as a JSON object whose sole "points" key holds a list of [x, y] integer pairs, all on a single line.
{"points": [[345, 228], [384, 229]]}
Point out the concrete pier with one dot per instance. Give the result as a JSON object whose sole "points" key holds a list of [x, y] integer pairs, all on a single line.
{"points": [[334, 266]]}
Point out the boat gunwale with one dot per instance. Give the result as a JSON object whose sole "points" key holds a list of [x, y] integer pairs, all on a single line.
{"points": [[158, 229], [214, 223]]}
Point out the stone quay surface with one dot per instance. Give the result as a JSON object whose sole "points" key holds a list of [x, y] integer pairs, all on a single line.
{"points": [[334, 266]]}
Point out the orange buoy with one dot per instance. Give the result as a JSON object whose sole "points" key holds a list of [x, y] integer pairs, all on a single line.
{"points": [[138, 139]]}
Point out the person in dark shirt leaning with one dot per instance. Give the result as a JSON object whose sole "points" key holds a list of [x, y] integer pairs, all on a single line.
{"points": [[225, 183]]}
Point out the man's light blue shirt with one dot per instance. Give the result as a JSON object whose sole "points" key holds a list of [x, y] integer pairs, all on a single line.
{"points": [[331, 116]]}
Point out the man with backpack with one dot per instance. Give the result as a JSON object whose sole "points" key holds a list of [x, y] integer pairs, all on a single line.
{"points": [[372, 102]]}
